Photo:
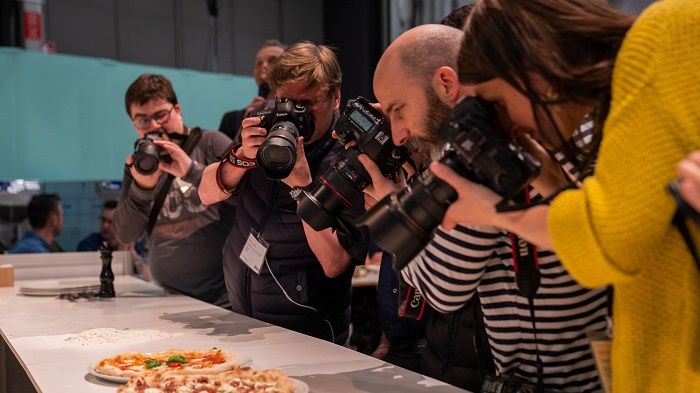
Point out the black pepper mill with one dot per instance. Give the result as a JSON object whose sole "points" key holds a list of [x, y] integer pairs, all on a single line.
{"points": [[106, 276]]}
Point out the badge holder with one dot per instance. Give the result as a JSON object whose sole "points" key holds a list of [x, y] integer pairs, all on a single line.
{"points": [[254, 251]]}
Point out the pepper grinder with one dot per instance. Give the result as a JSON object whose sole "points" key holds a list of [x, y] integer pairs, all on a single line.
{"points": [[106, 276]]}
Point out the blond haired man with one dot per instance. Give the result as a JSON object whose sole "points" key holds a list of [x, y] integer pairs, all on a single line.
{"points": [[277, 268]]}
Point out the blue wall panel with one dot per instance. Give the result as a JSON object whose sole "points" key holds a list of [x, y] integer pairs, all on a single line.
{"points": [[62, 118]]}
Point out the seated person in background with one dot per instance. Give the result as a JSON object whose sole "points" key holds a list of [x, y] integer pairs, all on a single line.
{"points": [[45, 215], [231, 121], [106, 234], [92, 242]]}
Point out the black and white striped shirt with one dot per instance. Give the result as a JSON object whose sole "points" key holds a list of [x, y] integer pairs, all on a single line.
{"points": [[459, 262]]}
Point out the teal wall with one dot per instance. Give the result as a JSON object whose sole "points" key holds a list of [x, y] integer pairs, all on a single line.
{"points": [[62, 118]]}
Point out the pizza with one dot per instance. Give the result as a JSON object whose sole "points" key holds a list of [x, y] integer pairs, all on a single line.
{"points": [[175, 361], [242, 380]]}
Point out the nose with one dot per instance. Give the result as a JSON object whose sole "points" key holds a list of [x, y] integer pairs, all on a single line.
{"points": [[399, 135]]}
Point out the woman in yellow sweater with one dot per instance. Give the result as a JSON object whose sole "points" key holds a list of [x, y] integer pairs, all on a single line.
{"points": [[547, 63]]}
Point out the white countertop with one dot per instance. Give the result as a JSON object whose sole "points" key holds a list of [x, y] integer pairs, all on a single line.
{"points": [[35, 329]]}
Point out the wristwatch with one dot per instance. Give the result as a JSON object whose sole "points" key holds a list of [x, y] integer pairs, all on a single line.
{"points": [[295, 193]]}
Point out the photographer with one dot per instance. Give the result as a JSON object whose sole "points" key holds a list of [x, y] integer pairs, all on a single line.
{"points": [[268, 52], [640, 80], [298, 278], [185, 237], [547, 347]]}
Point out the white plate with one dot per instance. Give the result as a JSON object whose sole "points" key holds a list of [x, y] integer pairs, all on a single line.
{"points": [[243, 362], [300, 386], [57, 287], [110, 378]]}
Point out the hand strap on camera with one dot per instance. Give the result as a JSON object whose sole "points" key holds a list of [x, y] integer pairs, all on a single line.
{"points": [[527, 279], [189, 145]]}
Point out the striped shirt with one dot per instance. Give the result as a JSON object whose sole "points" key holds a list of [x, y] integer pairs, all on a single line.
{"points": [[459, 262]]}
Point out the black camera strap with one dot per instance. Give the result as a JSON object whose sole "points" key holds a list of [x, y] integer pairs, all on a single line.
{"points": [[527, 279], [190, 142]]}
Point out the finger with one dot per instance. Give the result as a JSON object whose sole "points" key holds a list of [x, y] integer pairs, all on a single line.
{"points": [[376, 106], [401, 179], [250, 121], [449, 176], [129, 160], [448, 223], [334, 135], [689, 170], [300, 146], [371, 168], [694, 157]]}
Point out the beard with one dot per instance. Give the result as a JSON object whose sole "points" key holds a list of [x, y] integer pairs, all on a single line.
{"points": [[429, 147]]}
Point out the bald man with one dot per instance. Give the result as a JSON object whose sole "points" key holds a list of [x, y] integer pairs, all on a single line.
{"points": [[416, 84]]}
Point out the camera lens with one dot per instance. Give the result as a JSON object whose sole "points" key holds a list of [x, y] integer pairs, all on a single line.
{"points": [[146, 157], [278, 153], [337, 188], [403, 224]]}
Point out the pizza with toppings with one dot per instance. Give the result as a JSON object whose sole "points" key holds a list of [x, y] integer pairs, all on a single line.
{"points": [[242, 380], [174, 361]]}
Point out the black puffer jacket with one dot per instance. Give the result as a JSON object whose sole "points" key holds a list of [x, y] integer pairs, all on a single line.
{"points": [[266, 206], [450, 354]]}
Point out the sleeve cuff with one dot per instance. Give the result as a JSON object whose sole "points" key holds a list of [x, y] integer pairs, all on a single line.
{"points": [[141, 194], [576, 244], [194, 173]]}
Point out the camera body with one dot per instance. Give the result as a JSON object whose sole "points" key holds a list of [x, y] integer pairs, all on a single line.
{"points": [[284, 122], [147, 155], [404, 223], [347, 177]]}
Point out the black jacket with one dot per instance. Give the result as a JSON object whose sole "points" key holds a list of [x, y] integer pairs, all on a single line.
{"points": [[265, 202], [450, 354], [231, 123]]}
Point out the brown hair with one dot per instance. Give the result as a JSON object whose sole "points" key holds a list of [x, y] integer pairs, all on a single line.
{"points": [[572, 44], [315, 64], [149, 87]]}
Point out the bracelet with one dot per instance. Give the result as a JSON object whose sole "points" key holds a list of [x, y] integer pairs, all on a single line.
{"points": [[235, 160], [231, 158]]}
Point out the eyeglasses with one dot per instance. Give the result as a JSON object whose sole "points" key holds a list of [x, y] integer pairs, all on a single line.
{"points": [[315, 102], [143, 122]]}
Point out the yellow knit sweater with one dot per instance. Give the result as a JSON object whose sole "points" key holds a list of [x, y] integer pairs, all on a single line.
{"points": [[617, 228]]}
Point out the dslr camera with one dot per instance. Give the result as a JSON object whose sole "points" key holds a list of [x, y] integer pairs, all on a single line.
{"points": [[346, 178], [478, 149], [147, 155], [284, 122]]}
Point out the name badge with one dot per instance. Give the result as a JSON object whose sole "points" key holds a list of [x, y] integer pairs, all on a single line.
{"points": [[254, 251]]}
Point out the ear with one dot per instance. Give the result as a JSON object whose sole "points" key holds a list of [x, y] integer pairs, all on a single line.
{"points": [[445, 83], [336, 99]]}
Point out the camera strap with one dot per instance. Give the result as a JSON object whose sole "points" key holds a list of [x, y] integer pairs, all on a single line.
{"points": [[527, 278], [190, 142], [679, 220]]}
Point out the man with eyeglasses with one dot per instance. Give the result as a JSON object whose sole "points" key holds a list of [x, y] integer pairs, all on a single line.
{"points": [[185, 244], [277, 268]]}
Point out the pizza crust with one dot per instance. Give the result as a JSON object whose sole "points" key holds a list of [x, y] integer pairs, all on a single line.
{"points": [[131, 364], [240, 380]]}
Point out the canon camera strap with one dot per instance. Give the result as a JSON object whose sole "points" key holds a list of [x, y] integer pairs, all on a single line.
{"points": [[190, 142], [527, 278]]}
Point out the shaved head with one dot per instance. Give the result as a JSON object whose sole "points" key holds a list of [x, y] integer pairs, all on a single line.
{"points": [[420, 51], [403, 84]]}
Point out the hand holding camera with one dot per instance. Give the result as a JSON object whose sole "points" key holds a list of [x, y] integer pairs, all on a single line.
{"points": [[252, 136], [179, 162], [301, 173]]}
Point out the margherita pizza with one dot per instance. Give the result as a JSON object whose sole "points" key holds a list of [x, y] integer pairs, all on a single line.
{"points": [[242, 380], [174, 361]]}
